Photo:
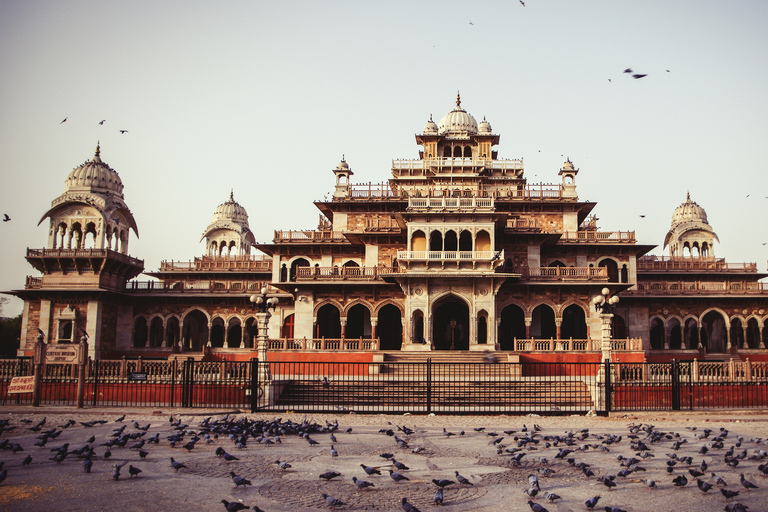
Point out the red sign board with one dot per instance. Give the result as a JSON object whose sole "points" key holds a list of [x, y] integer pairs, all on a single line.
{"points": [[22, 385]]}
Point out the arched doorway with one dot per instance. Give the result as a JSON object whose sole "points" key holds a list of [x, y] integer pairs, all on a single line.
{"points": [[156, 332], [753, 333], [450, 327], [217, 332], [713, 335], [287, 329], [657, 334], [234, 333], [140, 332], [574, 323], [675, 334], [389, 328], [328, 322], [195, 331], [612, 269], [300, 262], [543, 322], [511, 326], [358, 322], [737, 333], [418, 327], [172, 331]]}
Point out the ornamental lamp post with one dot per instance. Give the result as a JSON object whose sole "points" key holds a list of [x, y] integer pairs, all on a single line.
{"points": [[605, 303], [262, 304]]}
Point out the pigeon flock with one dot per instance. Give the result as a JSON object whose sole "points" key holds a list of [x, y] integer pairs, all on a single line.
{"points": [[544, 470]]}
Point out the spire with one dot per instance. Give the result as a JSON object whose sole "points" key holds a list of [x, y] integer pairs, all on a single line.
{"points": [[98, 148], [458, 99], [688, 198], [232, 194]]}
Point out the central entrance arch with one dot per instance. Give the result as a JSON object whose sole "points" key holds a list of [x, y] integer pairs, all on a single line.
{"points": [[450, 326]]}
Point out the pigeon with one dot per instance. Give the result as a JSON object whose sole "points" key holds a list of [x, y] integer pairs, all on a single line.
{"points": [[407, 507], [177, 465], [462, 480], [3, 475], [636, 76], [102, 122], [531, 492], [703, 486], [229, 458], [729, 494], [443, 482], [121, 418], [238, 480], [27, 461], [361, 484], [6, 218], [369, 470], [116, 470], [328, 475], [283, 465], [133, 471], [535, 507], [234, 506], [746, 483], [592, 502], [400, 465], [736, 507], [64, 121], [397, 477], [334, 453], [439, 496], [651, 484], [551, 497], [126, 131], [331, 501]]}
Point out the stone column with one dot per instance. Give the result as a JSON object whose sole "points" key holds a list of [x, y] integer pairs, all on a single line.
{"points": [[262, 320]]}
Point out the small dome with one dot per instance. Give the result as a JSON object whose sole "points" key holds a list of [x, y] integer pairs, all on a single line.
{"points": [[457, 122], [430, 128], [568, 166], [689, 211], [94, 176], [343, 165], [485, 127], [231, 211]]}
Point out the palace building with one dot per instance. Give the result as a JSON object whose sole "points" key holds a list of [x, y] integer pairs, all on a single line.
{"points": [[455, 253]]}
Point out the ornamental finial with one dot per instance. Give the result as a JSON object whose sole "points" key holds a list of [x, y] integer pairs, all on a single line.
{"points": [[98, 148], [458, 99]]}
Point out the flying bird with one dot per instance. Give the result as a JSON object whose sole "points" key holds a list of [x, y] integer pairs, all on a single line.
{"points": [[64, 121], [522, 3], [6, 218], [123, 131], [628, 70], [102, 121], [636, 76]]}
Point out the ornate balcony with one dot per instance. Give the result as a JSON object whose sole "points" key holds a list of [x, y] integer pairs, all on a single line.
{"points": [[308, 237], [341, 273], [450, 204], [651, 262], [564, 273], [209, 263], [598, 236], [699, 288]]}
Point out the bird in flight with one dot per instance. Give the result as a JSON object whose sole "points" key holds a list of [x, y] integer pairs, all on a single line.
{"points": [[470, 22], [628, 70], [6, 218], [642, 216], [102, 121], [123, 131], [64, 121], [636, 76], [522, 3]]}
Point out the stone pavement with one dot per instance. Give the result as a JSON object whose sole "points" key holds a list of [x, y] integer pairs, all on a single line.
{"points": [[498, 484]]}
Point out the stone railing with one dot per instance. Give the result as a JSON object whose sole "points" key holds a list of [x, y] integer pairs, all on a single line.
{"points": [[308, 237], [523, 224], [208, 286], [322, 344], [697, 371], [450, 255], [244, 262], [575, 345], [651, 262], [340, 273], [598, 236], [84, 253], [564, 273], [699, 288], [450, 203]]}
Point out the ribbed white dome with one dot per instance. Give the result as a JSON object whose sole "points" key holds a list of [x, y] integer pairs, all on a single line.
{"points": [[485, 127], [457, 122], [430, 128], [94, 176], [689, 211], [231, 211]]}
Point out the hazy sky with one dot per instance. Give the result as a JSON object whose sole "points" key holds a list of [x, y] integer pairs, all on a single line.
{"points": [[265, 98]]}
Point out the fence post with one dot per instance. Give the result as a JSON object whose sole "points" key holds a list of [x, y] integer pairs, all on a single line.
{"points": [[174, 369], [429, 384], [608, 385], [747, 369], [254, 384], [95, 367], [675, 378], [695, 370]]}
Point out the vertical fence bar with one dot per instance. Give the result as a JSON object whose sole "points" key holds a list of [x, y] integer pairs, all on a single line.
{"points": [[429, 384], [254, 366], [95, 367], [675, 378], [608, 386]]}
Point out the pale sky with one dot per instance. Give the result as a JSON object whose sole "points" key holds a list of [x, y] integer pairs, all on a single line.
{"points": [[265, 98]]}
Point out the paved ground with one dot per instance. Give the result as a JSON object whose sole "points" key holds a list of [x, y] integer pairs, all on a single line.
{"points": [[498, 483]]}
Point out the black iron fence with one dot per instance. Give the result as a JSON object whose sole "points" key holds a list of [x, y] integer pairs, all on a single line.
{"points": [[394, 387]]}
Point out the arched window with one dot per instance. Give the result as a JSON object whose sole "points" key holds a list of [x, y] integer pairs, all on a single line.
{"points": [[156, 332], [451, 243], [457, 151], [574, 323], [300, 262], [217, 332], [467, 152], [418, 241], [657, 334], [612, 268], [328, 322], [140, 332], [435, 241]]}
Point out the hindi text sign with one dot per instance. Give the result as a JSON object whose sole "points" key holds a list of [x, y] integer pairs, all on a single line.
{"points": [[59, 354], [22, 385]]}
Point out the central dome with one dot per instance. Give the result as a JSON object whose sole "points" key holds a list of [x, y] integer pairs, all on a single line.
{"points": [[689, 211], [457, 122], [231, 211], [94, 176]]}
